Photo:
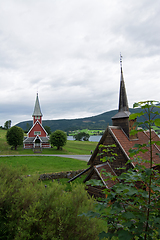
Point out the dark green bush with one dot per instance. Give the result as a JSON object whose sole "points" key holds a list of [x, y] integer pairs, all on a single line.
{"points": [[15, 136], [58, 139], [81, 136], [29, 210]]}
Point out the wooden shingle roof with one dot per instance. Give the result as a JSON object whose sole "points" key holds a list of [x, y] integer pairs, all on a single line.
{"points": [[143, 138], [125, 144], [105, 167]]}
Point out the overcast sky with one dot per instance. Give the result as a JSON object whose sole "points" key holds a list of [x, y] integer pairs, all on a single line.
{"points": [[68, 51]]}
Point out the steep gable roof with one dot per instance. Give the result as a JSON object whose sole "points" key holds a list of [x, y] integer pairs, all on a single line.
{"points": [[125, 144], [143, 138], [37, 109], [39, 125], [37, 137]]}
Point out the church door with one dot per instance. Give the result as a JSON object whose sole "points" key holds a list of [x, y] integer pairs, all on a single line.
{"points": [[37, 143]]}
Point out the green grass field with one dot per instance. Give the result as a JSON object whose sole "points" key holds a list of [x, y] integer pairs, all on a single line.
{"points": [[45, 164], [72, 147], [39, 165]]}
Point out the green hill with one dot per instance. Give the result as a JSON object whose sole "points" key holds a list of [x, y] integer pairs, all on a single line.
{"points": [[97, 122]]}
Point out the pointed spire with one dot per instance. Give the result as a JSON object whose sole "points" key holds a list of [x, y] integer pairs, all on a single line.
{"points": [[123, 102], [37, 109], [123, 110], [121, 119]]}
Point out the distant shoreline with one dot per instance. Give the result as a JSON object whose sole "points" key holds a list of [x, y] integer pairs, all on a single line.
{"points": [[94, 138]]}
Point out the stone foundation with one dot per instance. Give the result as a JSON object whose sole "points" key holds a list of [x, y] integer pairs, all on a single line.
{"points": [[69, 174]]}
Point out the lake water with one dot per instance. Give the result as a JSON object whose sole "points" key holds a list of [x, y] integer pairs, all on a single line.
{"points": [[95, 138]]}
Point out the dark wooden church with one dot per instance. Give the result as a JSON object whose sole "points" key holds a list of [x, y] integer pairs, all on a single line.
{"points": [[118, 134]]}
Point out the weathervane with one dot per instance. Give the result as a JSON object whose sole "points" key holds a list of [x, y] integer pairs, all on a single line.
{"points": [[120, 60]]}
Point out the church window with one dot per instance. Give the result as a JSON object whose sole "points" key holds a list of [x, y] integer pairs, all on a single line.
{"points": [[37, 132]]}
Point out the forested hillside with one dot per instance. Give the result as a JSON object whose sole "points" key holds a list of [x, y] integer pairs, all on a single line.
{"points": [[100, 121]]}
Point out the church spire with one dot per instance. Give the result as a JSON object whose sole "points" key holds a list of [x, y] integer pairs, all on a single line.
{"points": [[123, 102], [37, 110], [37, 114], [122, 117]]}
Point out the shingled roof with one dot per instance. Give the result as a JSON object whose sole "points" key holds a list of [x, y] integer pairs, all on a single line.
{"points": [[105, 167], [32, 139], [125, 144]]}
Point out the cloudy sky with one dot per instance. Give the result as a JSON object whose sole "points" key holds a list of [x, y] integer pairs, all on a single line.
{"points": [[68, 51]]}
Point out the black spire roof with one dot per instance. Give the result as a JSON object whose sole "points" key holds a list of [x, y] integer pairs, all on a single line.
{"points": [[123, 110]]}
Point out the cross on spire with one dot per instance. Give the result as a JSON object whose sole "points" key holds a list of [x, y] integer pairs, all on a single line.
{"points": [[120, 60]]}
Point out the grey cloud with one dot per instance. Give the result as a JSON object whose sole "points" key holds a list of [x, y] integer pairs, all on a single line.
{"points": [[69, 53]]}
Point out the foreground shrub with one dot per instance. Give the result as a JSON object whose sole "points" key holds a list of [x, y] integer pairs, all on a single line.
{"points": [[29, 210]]}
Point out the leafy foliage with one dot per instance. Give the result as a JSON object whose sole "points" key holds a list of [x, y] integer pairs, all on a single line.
{"points": [[58, 139], [15, 136], [132, 207], [27, 127], [31, 211], [48, 129], [81, 136], [7, 124]]}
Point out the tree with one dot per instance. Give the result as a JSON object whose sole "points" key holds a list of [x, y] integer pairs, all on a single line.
{"points": [[81, 136], [15, 136], [48, 129], [132, 207], [7, 124], [28, 126], [58, 139]]}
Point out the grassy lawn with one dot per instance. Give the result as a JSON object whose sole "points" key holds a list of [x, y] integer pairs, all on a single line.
{"points": [[80, 147], [39, 165], [45, 164], [72, 147]]}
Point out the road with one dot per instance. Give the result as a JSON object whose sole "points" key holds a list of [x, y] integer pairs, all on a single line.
{"points": [[79, 157]]}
